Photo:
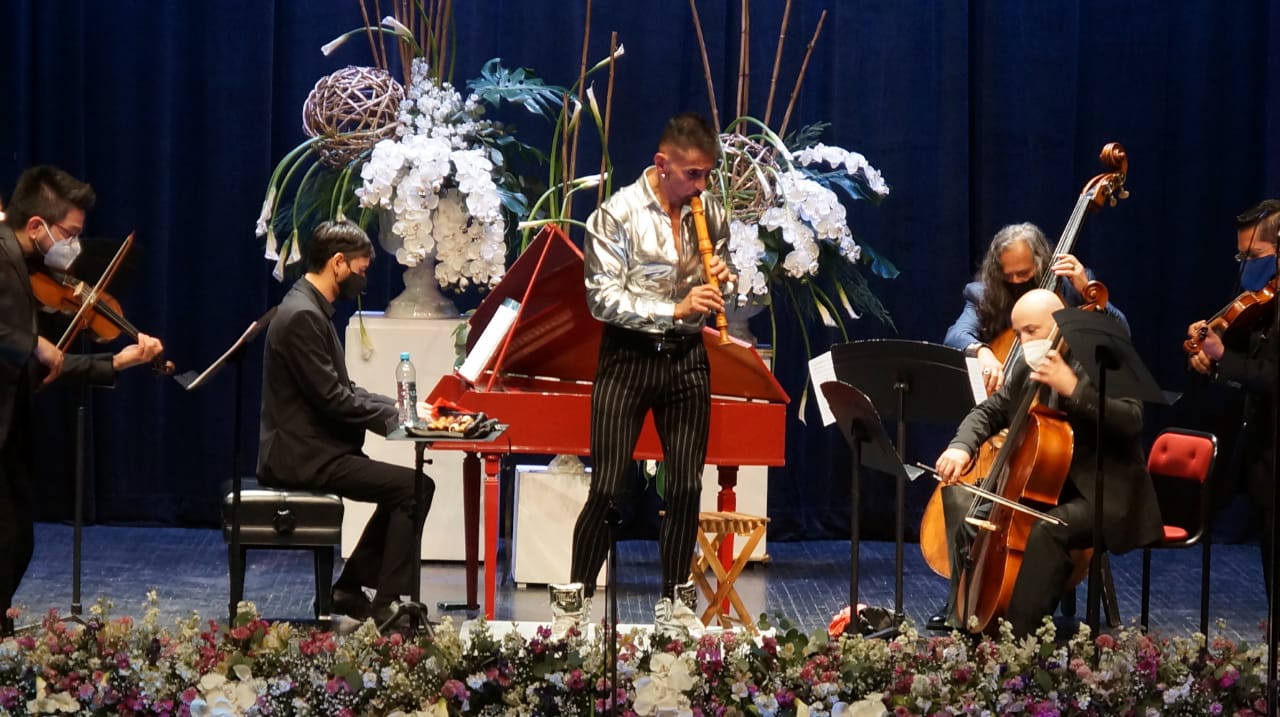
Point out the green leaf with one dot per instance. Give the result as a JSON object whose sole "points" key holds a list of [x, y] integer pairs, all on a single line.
{"points": [[519, 86]]}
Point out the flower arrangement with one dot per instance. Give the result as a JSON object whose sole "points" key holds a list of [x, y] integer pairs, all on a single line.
{"points": [[789, 230], [113, 666], [437, 179], [418, 151]]}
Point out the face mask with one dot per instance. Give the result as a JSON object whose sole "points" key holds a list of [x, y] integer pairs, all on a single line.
{"points": [[1256, 272], [63, 253], [352, 286], [1017, 289], [1034, 351]]}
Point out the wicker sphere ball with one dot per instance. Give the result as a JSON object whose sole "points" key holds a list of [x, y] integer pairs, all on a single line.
{"points": [[749, 191], [351, 109]]}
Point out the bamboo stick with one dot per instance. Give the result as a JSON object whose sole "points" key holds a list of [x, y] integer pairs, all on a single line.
{"points": [[744, 66], [706, 65], [795, 91], [582, 90], [445, 23], [777, 62], [382, 41], [608, 113], [368, 30]]}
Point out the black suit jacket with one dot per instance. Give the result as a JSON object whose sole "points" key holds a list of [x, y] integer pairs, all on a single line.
{"points": [[311, 412], [1131, 514], [20, 373]]}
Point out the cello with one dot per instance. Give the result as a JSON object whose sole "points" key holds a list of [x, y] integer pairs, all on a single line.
{"points": [[1103, 189]]}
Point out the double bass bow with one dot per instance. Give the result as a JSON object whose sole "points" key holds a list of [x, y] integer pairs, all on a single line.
{"points": [[1104, 189]]}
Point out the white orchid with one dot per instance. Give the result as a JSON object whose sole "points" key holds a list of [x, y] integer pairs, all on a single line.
{"points": [[438, 184]]}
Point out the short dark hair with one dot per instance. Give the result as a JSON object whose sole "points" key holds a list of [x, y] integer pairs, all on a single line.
{"points": [[1266, 216], [49, 193], [333, 237], [689, 130]]}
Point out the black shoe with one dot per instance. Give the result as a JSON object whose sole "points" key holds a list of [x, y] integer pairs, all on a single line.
{"points": [[938, 621], [353, 604], [396, 615]]}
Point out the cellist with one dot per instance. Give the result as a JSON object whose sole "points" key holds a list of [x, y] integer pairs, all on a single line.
{"points": [[1131, 514], [42, 223], [1250, 362], [1017, 260]]}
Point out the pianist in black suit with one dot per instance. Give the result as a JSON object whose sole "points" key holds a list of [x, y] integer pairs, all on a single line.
{"points": [[645, 281], [314, 421]]}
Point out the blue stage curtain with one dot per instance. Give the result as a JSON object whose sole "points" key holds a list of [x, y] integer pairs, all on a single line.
{"points": [[979, 114]]}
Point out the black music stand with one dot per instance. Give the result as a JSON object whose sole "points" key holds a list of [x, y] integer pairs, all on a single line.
{"points": [[1102, 346], [96, 255], [913, 381], [861, 426], [191, 381]]}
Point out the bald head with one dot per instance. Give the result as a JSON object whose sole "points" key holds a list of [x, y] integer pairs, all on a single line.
{"points": [[1032, 315]]}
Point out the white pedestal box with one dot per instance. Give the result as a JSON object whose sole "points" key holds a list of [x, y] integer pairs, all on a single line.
{"points": [[430, 344], [548, 503]]}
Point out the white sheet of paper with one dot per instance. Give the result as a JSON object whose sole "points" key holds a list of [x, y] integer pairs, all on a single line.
{"points": [[499, 324], [821, 370], [976, 384]]}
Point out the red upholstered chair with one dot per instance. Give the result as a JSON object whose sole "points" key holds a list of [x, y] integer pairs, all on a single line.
{"points": [[1181, 462]]}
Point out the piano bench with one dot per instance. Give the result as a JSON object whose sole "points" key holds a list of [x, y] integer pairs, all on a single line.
{"points": [[284, 519], [713, 529]]}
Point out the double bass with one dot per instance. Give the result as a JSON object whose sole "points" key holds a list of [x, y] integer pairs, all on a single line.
{"points": [[1102, 190]]}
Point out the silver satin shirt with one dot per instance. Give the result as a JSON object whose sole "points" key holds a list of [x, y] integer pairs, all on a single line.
{"points": [[634, 277]]}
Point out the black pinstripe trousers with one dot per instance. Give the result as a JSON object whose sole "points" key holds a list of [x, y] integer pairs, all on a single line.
{"points": [[634, 376]]}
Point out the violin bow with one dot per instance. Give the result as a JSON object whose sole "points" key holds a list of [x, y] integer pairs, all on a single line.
{"points": [[92, 299]]}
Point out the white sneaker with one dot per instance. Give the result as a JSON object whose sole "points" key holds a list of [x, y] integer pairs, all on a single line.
{"points": [[569, 609], [675, 621], [685, 610]]}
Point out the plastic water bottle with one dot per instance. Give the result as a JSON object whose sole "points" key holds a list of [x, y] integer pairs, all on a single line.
{"points": [[407, 390]]}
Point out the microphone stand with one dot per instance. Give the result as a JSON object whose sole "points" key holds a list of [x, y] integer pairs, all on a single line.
{"points": [[613, 519], [1273, 603]]}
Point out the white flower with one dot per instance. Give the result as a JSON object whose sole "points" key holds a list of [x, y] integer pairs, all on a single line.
{"points": [[664, 690], [438, 183]]}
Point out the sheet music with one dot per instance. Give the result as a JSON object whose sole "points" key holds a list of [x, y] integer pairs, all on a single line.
{"points": [[499, 325], [976, 384], [189, 380], [821, 370]]}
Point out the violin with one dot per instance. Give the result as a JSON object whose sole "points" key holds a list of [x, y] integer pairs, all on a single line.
{"points": [[91, 307], [1241, 314]]}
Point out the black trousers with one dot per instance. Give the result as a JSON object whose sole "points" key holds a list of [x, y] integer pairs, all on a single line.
{"points": [[637, 374], [387, 556], [17, 531], [1046, 562]]}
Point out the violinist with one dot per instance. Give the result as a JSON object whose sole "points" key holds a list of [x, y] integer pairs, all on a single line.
{"points": [[42, 222], [1017, 260], [1249, 362], [1132, 516]]}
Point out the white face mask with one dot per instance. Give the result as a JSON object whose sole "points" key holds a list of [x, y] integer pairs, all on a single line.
{"points": [[63, 253], [1034, 351]]}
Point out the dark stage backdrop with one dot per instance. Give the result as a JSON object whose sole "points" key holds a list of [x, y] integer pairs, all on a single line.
{"points": [[979, 114]]}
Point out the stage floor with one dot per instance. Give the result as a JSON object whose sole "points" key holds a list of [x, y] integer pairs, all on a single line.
{"points": [[805, 582]]}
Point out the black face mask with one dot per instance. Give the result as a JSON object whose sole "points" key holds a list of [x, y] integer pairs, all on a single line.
{"points": [[1017, 289], [352, 286]]}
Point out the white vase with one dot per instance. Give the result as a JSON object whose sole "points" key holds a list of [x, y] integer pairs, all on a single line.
{"points": [[421, 298]]}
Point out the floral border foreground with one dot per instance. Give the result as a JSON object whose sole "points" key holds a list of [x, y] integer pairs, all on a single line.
{"points": [[116, 666]]}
